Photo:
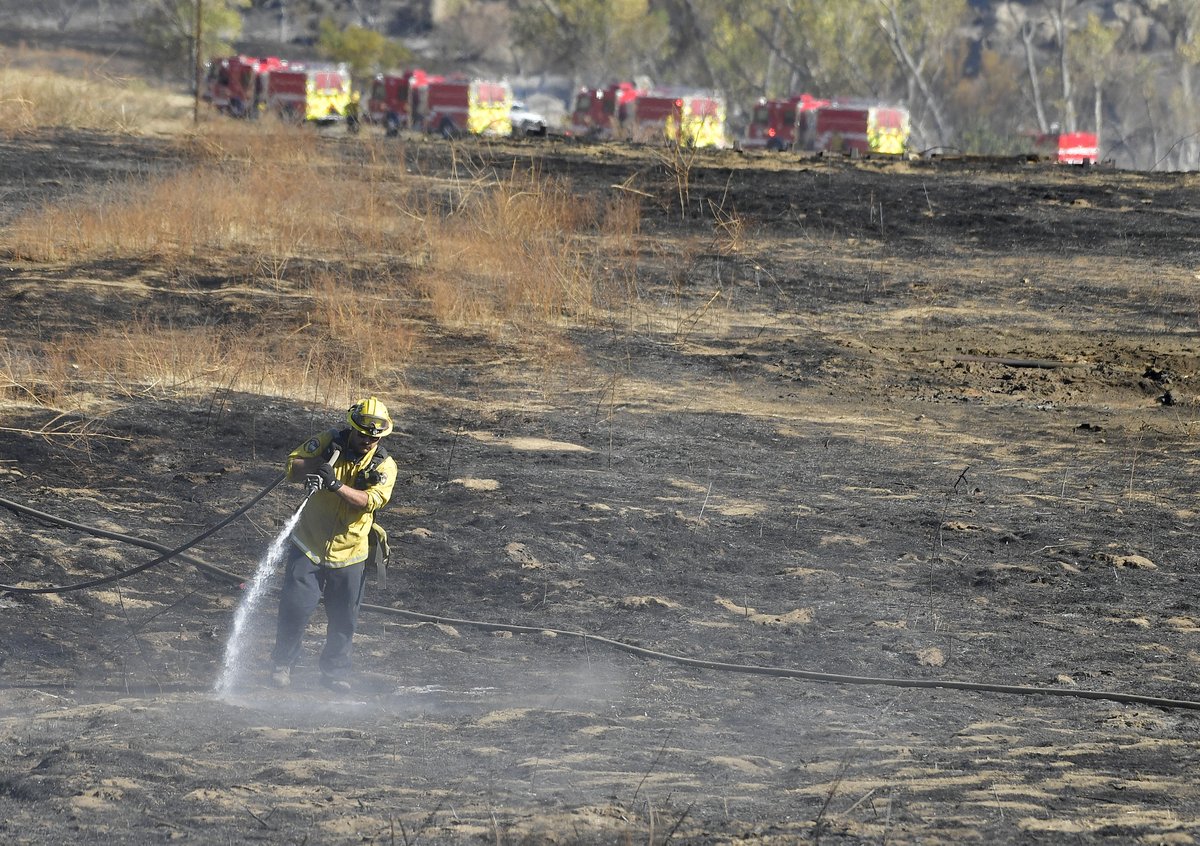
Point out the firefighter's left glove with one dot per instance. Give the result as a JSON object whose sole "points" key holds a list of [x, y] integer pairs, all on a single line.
{"points": [[328, 481]]}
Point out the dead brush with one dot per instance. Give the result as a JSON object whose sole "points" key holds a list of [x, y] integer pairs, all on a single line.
{"points": [[518, 250], [677, 159], [28, 375], [257, 205], [729, 228], [150, 359], [509, 249], [369, 322], [266, 141], [31, 100]]}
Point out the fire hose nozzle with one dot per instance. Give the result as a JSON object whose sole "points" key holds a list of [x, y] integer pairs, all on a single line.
{"points": [[312, 482]]}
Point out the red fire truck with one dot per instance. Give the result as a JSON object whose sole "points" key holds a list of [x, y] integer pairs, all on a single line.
{"points": [[230, 83], [393, 96], [853, 127], [458, 105], [320, 94], [773, 121], [598, 112], [622, 110], [682, 117], [1068, 147]]}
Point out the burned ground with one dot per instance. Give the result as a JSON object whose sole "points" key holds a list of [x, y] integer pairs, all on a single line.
{"points": [[912, 420]]}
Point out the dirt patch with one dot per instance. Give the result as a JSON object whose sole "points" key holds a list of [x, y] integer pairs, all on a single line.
{"points": [[917, 421]]}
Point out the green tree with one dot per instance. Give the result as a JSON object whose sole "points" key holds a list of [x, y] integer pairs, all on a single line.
{"points": [[364, 51], [842, 47], [779, 47], [747, 56], [1181, 19], [986, 106], [920, 34], [597, 39], [1061, 18], [1090, 53], [168, 31]]}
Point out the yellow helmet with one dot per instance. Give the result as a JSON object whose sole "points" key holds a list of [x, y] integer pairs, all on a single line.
{"points": [[370, 417]]}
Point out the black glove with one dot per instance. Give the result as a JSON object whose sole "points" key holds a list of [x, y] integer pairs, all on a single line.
{"points": [[328, 481]]}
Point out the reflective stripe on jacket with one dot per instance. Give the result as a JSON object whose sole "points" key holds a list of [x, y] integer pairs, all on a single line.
{"points": [[331, 531]]}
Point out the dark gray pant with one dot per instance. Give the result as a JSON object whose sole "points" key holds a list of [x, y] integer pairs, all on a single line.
{"points": [[304, 584]]}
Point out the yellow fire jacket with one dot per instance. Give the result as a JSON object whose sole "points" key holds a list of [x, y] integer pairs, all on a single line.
{"points": [[331, 531]]}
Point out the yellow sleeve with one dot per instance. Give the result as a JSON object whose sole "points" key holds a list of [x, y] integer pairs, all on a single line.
{"points": [[380, 493], [312, 447]]}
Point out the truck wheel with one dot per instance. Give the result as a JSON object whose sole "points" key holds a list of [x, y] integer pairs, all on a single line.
{"points": [[391, 126], [448, 129]]}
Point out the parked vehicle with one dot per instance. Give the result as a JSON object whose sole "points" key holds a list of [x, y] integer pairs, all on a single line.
{"points": [[230, 83], [320, 94], [597, 112], [846, 127], [773, 121], [622, 110], [526, 123], [457, 106], [686, 118], [393, 96], [1068, 147]]}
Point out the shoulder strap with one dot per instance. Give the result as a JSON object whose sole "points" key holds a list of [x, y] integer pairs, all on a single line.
{"points": [[380, 456]]}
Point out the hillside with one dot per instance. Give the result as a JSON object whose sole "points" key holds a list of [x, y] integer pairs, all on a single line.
{"points": [[709, 557], [981, 83]]}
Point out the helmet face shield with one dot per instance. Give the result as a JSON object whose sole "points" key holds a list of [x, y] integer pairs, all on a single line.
{"points": [[371, 425], [370, 417]]}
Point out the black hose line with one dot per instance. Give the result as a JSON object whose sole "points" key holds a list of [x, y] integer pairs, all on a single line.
{"points": [[809, 675], [168, 553], [751, 669]]}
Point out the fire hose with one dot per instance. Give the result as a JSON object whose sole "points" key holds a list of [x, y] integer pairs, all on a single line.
{"points": [[700, 663], [167, 552]]}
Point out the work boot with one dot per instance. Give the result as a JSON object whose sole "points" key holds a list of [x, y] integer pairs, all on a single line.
{"points": [[281, 676], [335, 684]]}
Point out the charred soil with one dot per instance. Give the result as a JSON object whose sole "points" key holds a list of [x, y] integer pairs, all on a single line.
{"points": [[927, 420]]}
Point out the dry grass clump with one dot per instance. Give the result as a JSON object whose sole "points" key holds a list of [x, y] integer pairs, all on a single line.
{"points": [[267, 141], [312, 362], [513, 250], [274, 208], [487, 252], [33, 100]]}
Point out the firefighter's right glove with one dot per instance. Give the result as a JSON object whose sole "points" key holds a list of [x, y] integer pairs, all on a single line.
{"points": [[328, 481]]}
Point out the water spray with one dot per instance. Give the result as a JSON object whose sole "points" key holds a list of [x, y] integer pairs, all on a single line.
{"points": [[231, 667]]}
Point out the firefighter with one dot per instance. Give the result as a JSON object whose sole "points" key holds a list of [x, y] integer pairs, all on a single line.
{"points": [[350, 477], [352, 113]]}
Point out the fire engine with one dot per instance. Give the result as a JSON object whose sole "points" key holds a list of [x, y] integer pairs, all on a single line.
{"points": [[773, 121], [393, 96], [691, 119], [457, 105], [846, 127], [230, 82], [622, 110], [1069, 147], [597, 112], [298, 92]]}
